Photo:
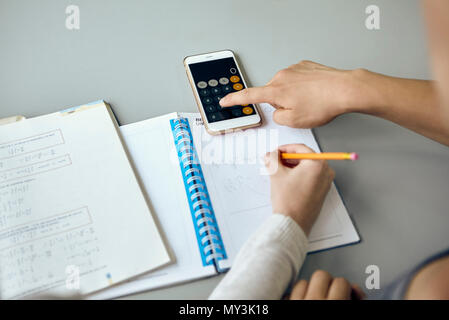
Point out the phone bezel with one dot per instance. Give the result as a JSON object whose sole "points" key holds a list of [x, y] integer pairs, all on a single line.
{"points": [[224, 125]]}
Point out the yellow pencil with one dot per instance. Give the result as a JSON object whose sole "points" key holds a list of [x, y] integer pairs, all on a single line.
{"points": [[323, 156]]}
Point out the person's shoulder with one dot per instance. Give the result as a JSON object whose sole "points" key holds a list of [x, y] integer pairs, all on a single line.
{"points": [[431, 282]]}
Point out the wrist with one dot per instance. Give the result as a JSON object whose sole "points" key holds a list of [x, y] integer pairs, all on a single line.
{"points": [[305, 222], [366, 95]]}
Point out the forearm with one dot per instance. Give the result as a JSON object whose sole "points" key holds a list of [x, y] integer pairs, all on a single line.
{"points": [[268, 262], [410, 103]]}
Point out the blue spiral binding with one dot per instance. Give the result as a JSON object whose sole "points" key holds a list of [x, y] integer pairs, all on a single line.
{"points": [[207, 232]]}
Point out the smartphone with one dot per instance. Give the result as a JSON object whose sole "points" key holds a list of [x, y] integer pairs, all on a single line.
{"points": [[212, 76]]}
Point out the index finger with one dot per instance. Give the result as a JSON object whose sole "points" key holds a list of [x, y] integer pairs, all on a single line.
{"points": [[248, 96]]}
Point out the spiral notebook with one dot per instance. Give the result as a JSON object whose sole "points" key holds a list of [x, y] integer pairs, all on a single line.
{"points": [[209, 193]]}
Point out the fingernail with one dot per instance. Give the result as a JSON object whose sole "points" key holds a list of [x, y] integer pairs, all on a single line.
{"points": [[222, 100], [266, 158]]}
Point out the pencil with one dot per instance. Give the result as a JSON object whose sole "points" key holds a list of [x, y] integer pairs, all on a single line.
{"points": [[323, 156]]}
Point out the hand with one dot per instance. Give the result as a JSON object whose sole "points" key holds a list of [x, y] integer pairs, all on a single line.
{"points": [[323, 286], [306, 94], [298, 188]]}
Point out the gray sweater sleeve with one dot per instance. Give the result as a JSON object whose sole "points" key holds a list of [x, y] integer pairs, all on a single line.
{"points": [[267, 263]]}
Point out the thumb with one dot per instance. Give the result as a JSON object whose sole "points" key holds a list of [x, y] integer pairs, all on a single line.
{"points": [[284, 117], [273, 162]]}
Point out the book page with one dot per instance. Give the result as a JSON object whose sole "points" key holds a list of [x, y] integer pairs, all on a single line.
{"points": [[240, 187], [150, 144], [73, 218]]}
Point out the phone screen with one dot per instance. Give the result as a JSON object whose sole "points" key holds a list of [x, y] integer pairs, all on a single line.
{"points": [[215, 79]]}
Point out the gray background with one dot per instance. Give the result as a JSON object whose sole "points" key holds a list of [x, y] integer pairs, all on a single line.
{"points": [[130, 54]]}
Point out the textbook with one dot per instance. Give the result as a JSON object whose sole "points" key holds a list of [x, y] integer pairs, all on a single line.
{"points": [[73, 216], [209, 193]]}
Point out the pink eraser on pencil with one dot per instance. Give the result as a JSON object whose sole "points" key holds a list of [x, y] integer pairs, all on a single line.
{"points": [[353, 156]]}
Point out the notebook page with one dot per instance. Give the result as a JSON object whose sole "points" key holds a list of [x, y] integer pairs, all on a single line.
{"points": [[72, 214], [150, 144], [240, 189]]}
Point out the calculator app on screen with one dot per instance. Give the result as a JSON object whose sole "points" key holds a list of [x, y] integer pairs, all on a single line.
{"points": [[215, 79]]}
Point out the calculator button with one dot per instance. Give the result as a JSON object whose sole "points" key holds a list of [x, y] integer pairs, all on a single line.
{"points": [[237, 86], [204, 92], [209, 108], [217, 98], [216, 90], [235, 79], [227, 89], [202, 84], [207, 100], [224, 81], [217, 116], [233, 70], [236, 112], [213, 82], [247, 110]]}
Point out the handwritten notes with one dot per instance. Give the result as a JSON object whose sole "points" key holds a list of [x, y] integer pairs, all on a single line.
{"points": [[36, 246], [21, 163], [70, 201]]}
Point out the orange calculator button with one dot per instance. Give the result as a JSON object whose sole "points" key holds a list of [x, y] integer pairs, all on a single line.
{"points": [[247, 110], [237, 86], [234, 79]]}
